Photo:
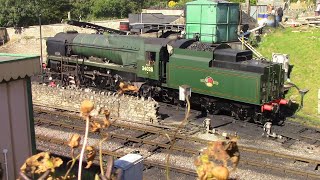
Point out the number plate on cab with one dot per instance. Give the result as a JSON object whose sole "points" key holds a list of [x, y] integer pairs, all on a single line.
{"points": [[147, 68]]}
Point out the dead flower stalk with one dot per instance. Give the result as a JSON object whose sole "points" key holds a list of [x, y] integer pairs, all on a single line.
{"points": [[85, 109], [183, 123]]}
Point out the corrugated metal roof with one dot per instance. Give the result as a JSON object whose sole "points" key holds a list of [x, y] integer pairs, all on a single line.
{"points": [[13, 66]]}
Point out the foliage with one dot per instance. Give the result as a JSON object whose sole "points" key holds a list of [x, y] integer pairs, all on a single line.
{"points": [[182, 3], [25, 13], [53, 11], [81, 9], [43, 163], [302, 45], [207, 169], [17, 13], [113, 8], [40, 163], [212, 163], [172, 4]]}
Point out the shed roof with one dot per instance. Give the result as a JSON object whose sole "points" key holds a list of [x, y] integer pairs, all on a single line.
{"points": [[13, 66], [206, 2]]}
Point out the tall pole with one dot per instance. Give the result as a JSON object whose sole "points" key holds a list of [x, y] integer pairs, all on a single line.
{"points": [[41, 60], [248, 7]]}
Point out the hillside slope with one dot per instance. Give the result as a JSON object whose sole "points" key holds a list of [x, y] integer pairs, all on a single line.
{"points": [[303, 46]]}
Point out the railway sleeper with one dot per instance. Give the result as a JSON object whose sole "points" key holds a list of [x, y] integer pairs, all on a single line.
{"points": [[314, 167]]}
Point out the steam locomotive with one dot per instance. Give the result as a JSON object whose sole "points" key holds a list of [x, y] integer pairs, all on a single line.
{"points": [[221, 78]]}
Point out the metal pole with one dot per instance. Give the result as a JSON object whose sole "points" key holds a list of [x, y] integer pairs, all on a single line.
{"points": [[242, 41], [248, 6], [5, 151], [41, 60], [141, 23]]}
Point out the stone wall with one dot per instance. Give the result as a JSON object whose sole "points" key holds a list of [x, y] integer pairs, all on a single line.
{"points": [[121, 106], [300, 10]]}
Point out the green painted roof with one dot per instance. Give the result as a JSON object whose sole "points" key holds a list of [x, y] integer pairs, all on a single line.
{"points": [[5, 57], [13, 66], [206, 2]]}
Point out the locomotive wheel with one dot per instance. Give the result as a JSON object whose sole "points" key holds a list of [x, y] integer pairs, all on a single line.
{"points": [[259, 118], [145, 91], [166, 96], [242, 115], [213, 108]]}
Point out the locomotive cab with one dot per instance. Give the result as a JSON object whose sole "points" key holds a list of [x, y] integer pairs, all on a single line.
{"points": [[155, 59]]}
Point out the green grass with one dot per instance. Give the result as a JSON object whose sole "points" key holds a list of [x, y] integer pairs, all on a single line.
{"points": [[303, 48]]}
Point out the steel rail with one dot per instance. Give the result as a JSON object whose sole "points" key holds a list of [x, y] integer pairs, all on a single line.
{"points": [[192, 151], [203, 141], [118, 155]]}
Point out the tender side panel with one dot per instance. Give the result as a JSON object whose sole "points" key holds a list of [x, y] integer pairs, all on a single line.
{"points": [[233, 85]]}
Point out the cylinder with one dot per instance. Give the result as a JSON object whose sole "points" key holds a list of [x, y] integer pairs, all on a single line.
{"points": [[124, 26]]}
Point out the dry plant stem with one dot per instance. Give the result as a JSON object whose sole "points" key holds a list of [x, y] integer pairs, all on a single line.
{"points": [[72, 153], [102, 177], [83, 147], [25, 177], [44, 176], [100, 154], [174, 136], [73, 162], [109, 167]]}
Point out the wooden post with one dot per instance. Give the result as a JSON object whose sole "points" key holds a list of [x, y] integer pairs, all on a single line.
{"points": [[248, 7]]}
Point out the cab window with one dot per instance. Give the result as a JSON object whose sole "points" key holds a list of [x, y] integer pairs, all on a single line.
{"points": [[150, 57]]}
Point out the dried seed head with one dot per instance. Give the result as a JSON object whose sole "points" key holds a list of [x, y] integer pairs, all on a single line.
{"points": [[86, 107], [74, 141]]}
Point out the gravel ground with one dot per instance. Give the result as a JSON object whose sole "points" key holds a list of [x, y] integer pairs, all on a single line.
{"points": [[245, 174], [298, 149], [160, 174], [176, 158], [57, 133], [180, 159]]}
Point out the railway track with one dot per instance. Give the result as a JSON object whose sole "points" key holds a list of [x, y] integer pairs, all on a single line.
{"points": [[141, 138], [118, 155], [300, 133]]}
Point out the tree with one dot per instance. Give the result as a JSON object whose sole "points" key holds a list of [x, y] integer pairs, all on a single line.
{"points": [[81, 8], [113, 8], [53, 11], [25, 13]]}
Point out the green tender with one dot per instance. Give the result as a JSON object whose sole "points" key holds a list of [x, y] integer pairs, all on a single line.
{"points": [[192, 68]]}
